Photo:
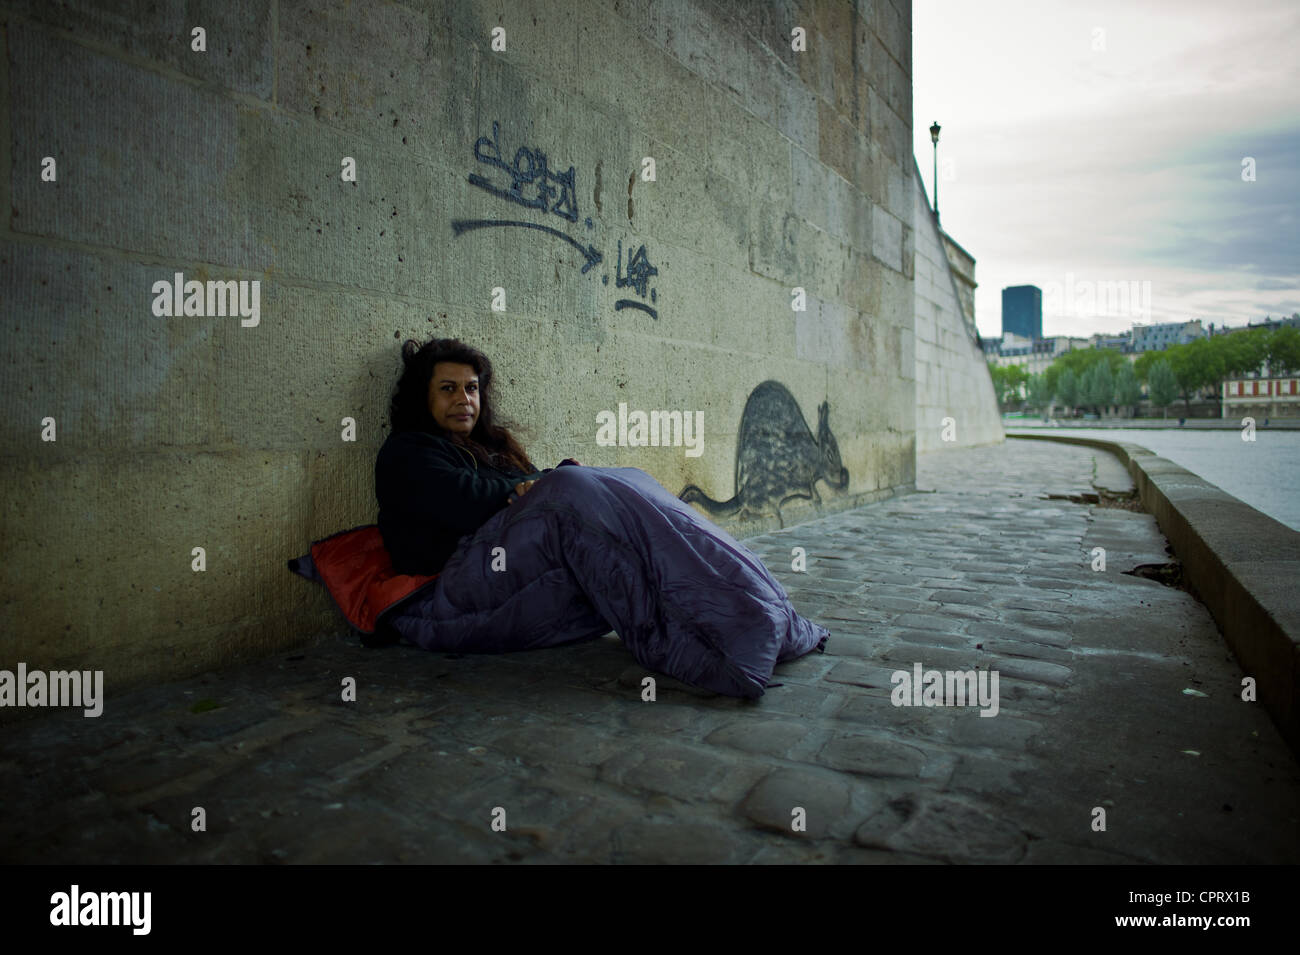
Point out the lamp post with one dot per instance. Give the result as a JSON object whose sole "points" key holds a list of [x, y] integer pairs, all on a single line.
{"points": [[934, 138]]}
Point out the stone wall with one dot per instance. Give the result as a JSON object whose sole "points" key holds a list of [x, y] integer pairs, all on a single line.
{"points": [[955, 403], [630, 206]]}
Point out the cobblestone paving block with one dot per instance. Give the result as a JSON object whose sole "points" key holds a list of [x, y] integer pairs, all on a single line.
{"points": [[663, 717], [1037, 671], [1041, 607], [927, 621], [1040, 619], [547, 743], [992, 585], [832, 614], [793, 699], [426, 777], [588, 836], [944, 828], [879, 578], [971, 597], [683, 772], [836, 570], [851, 645], [539, 807], [761, 737], [930, 638], [875, 680], [875, 710], [824, 797], [900, 604], [1003, 647], [809, 584], [905, 657], [872, 755], [808, 669], [961, 612], [981, 631]]}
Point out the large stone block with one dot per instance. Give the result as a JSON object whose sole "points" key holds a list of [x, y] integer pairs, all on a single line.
{"points": [[238, 57], [124, 528], [327, 56], [887, 238], [176, 147]]}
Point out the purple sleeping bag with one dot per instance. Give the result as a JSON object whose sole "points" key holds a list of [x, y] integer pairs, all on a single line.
{"points": [[589, 550]]}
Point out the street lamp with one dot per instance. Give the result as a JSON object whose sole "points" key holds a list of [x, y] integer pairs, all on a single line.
{"points": [[934, 138]]}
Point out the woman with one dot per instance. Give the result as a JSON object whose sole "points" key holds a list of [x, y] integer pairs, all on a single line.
{"points": [[532, 558]]}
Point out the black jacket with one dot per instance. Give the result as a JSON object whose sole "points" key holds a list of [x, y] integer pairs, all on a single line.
{"points": [[431, 493]]}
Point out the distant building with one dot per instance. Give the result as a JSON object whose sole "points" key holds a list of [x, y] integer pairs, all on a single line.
{"points": [[1022, 311], [1262, 397], [1159, 337], [1035, 356], [1121, 343], [1272, 323]]}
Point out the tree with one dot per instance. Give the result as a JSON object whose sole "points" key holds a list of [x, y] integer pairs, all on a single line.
{"points": [[1128, 391], [1142, 367], [1067, 387], [1079, 360], [1282, 350], [1243, 352], [1182, 363], [1162, 386], [1099, 386], [1038, 397], [1206, 365], [1007, 381]]}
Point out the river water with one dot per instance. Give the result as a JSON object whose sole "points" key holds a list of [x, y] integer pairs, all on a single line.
{"points": [[1265, 473]]}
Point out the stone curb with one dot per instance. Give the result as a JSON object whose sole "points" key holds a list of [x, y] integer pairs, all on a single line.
{"points": [[1243, 564]]}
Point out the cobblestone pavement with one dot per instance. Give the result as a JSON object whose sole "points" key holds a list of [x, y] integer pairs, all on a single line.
{"points": [[983, 567]]}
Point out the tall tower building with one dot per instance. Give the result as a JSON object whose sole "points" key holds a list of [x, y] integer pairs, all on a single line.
{"points": [[1022, 311]]}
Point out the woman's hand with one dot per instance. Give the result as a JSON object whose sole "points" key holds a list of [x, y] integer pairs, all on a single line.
{"points": [[521, 489]]}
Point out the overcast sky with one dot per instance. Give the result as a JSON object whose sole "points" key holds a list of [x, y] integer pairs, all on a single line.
{"points": [[1089, 141]]}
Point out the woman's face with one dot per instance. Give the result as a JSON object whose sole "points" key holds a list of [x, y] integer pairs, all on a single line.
{"points": [[453, 396]]}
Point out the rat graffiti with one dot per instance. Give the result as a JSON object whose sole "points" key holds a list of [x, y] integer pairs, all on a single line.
{"points": [[534, 185], [777, 457]]}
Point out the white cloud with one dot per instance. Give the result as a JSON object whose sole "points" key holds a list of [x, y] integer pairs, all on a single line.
{"points": [[1117, 163]]}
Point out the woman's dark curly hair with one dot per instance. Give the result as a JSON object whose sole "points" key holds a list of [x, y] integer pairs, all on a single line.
{"points": [[489, 442]]}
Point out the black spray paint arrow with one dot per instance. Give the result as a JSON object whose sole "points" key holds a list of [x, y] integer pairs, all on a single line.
{"points": [[464, 225]]}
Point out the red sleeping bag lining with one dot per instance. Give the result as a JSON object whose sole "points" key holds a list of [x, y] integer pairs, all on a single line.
{"points": [[355, 568]]}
